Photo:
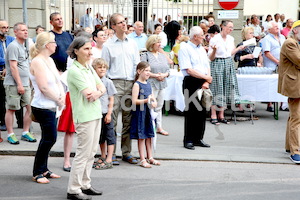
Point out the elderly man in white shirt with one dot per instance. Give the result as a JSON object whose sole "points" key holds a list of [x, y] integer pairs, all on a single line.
{"points": [[195, 67], [122, 55]]}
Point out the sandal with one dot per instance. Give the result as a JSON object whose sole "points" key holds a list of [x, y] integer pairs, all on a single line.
{"points": [[99, 161], [152, 161], [144, 164], [103, 165], [50, 174], [163, 132], [40, 179], [214, 121], [115, 161], [130, 159], [224, 121]]}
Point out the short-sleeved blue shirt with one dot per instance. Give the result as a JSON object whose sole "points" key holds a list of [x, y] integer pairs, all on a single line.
{"points": [[269, 43]]}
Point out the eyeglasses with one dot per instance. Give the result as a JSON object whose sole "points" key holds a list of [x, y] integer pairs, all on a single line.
{"points": [[5, 27], [121, 22], [51, 42]]}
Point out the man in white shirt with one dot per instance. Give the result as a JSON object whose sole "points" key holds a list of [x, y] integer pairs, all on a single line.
{"points": [[282, 18], [151, 23], [122, 55], [195, 67], [256, 27]]}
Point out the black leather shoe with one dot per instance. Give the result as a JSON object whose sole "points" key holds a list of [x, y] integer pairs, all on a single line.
{"points": [[270, 109], [286, 109], [189, 146], [201, 143], [79, 196], [92, 191], [67, 169]]}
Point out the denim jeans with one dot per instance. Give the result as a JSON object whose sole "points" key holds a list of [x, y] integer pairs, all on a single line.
{"points": [[48, 126]]}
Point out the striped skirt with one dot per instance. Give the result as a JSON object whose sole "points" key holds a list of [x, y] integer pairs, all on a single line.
{"points": [[224, 86]]}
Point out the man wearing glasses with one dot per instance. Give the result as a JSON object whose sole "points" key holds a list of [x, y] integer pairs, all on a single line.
{"points": [[122, 55], [16, 84]]}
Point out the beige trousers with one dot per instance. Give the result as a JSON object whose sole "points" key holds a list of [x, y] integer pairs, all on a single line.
{"points": [[88, 134], [122, 101], [293, 126]]}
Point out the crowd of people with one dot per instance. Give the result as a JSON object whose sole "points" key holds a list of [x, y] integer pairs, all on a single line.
{"points": [[81, 83]]}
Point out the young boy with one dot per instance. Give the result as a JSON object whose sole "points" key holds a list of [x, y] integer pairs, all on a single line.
{"points": [[107, 130]]}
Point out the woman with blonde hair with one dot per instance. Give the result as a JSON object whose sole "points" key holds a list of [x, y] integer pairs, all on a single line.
{"points": [[159, 72], [48, 97], [245, 56]]}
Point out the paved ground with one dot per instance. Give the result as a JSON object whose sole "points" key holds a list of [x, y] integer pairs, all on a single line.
{"points": [[173, 180], [245, 161], [262, 142]]}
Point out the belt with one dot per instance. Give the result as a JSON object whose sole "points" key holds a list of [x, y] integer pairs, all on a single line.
{"points": [[121, 80]]}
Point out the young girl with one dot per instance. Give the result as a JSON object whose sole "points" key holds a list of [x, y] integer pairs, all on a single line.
{"points": [[141, 122]]}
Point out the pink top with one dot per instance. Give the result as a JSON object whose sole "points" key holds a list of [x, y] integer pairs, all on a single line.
{"points": [[285, 31]]}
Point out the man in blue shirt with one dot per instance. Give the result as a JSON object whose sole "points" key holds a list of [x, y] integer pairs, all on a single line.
{"points": [[63, 40], [271, 45], [138, 36], [87, 20]]}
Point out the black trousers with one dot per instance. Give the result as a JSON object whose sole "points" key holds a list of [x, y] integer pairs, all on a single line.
{"points": [[48, 124], [194, 113], [19, 113]]}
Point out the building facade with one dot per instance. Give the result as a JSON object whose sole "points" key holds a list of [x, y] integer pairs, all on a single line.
{"points": [[190, 11]]}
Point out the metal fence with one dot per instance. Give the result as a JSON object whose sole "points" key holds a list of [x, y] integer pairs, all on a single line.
{"points": [[190, 11]]}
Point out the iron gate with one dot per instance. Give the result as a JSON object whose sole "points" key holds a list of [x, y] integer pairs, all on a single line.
{"points": [[190, 11]]}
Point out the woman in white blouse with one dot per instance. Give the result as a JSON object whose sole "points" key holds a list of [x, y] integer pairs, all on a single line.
{"points": [[158, 31], [224, 85], [99, 37]]}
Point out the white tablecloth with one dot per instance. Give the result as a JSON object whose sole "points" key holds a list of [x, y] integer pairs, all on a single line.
{"points": [[174, 89], [261, 88]]}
